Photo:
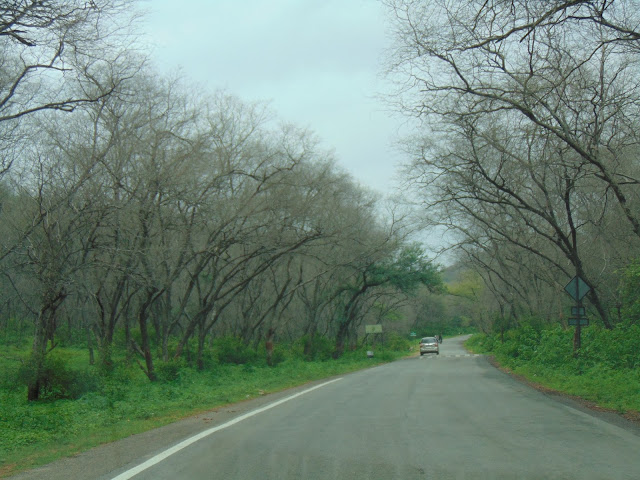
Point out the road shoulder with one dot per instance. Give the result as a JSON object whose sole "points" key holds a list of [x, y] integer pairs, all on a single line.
{"points": [[629, 421]]}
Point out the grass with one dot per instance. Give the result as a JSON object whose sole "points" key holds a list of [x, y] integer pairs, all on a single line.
{"points": [[126, 403], [604, 373], [608, 389]]}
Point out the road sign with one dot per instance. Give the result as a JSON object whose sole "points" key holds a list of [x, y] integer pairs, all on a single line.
{"points": [[584, 322], [413, 334], [373, 329], [577, 311], [577, 288]]}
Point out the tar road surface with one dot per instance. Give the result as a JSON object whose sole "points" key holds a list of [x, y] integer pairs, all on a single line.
{"points": [[447, 416]]}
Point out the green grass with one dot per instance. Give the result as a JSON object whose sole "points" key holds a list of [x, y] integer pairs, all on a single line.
{"points": [[125, 402], [605, 371], [609, 389]]}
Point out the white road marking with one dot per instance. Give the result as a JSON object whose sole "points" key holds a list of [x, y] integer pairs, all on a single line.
{"points": [[185, 443], [451, 356]]}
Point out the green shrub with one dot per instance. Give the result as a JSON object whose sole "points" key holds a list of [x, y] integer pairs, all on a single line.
{"points": [[279, 355], [316, 348], [616, 349], [555, 347], [630, 292], [232, 350], [170, 371], [481, 343], [396, 342], [57, 380]]}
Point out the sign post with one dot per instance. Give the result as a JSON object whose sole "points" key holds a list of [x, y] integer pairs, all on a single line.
{"points": [[577, 288], [373, 329]]}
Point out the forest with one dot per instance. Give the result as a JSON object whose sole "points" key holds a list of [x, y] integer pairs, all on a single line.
{"points": [[152, 231], [526, 151], [145, 215]]}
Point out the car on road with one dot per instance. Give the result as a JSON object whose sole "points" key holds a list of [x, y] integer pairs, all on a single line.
{"points": [[429, 345]]}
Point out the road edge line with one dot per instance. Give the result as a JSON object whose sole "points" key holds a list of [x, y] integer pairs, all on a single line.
{"points": [[185, 443]]}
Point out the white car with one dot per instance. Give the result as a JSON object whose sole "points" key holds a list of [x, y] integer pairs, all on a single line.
{"points": [[429, 345]]}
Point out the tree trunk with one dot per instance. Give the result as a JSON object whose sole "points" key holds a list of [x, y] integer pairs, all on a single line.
{"points": [[92, 359], [269, 346], [202, 334], [143, 317], [340, 339], [44, 329]]}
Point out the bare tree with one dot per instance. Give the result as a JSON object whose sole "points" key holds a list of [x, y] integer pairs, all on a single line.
{"points": [[531, 110], [55, 51], [565, 67], [496, 185]]}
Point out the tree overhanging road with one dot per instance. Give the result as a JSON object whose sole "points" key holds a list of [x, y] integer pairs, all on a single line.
{"points": [[451, 416]]}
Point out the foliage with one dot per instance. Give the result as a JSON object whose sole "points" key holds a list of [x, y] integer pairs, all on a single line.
{"points": [[124, 402], [315, 348], [411, 269], [522, 199], [630, 292], [396, 342], [57, 380], [468, 285], [232, 350], [170, 371], [606, 369], [452, 327]]}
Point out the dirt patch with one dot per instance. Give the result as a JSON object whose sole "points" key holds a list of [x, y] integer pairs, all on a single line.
{"points": [[7, 469], [630, 416]]}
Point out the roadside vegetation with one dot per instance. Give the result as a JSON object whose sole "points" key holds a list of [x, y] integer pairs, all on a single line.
{"points": [[526, 154], [82, 406], [605, 371], [167, 250]]}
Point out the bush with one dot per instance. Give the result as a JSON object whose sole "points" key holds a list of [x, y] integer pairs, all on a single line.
{"points": [[316, 348], [555, 347], [617, 349], [57, 381], [279, 355], [480, 343], [397, 342], [232, 350], [170, 371], [630, 292]]}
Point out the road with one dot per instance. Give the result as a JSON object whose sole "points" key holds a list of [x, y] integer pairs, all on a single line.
{"points": [[451, 416]]}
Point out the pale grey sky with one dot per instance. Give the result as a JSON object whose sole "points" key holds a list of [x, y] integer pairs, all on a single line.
{"points": [[317, 62]]}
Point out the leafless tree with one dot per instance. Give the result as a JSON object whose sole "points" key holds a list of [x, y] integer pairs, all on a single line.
{"points": [[55, 52], [532, 107], [566, 67]]}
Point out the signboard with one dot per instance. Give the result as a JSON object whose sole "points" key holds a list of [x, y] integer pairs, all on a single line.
{"points": [[577, 288], [584, 322], [372, 329], [577, 311], [413, 334]]}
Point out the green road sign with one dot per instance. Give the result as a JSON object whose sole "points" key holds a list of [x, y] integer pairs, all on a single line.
{"points": [[577, 288], [584, 322], [577, 311], [413, 334]]}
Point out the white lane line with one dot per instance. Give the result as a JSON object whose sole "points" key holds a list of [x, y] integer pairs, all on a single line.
{"points": [[185, 443], [452, 356]]}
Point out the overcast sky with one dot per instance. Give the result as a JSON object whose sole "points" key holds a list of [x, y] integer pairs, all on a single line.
{"points": [[317, 62]]}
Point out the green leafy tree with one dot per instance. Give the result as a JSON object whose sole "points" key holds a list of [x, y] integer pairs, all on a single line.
{"points": [[404, 273]]}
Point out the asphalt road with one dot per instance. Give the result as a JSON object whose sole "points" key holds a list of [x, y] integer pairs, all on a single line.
{"points": [[451, 416]]}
